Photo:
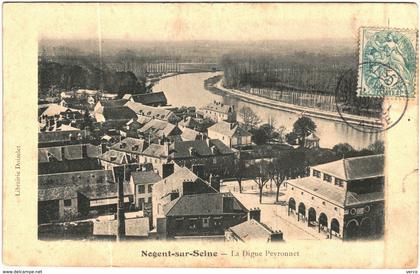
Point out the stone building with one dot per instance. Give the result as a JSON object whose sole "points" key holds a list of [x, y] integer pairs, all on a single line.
{"points": [[343, 199]]}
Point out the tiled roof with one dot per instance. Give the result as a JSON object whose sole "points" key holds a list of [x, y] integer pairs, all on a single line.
{"points": [[148, 111], [203, 204], [156, 150], [130, 145], [251, 230], [68, 166], [113, 156], [190, 134], [136, 227], [355, 168], [321, 189], [71, 152], [60, 136], [55, 109], [199, 148], [355, 199], [103, 191], [145, 177], [118, 113], [151, 98], [229, 129], [159, 128], [113, 103], [176, 180]]}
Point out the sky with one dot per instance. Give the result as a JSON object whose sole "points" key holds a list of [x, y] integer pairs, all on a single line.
{"points": [[225, 22]]}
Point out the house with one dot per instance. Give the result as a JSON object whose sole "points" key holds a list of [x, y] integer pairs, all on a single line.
{"points": [[231, 134], [188, 122], [218, 111], [119, 114], [252, 230], [131, 127], [181, 182], [200, 215], [132, 147], [102, 104], [153, 112], [94, 199], [50, 167], [343, 199], [57, 193], [112, 158], [85, 103], [213, 154], [190, 135], [311, 141], [135, 228], [154, 99], [157, 129], [142, 182]]}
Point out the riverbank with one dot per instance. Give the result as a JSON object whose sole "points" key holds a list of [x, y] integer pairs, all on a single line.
{"points": [[311, 112]]}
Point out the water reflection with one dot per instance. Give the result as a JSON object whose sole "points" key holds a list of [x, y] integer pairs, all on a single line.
{"points": [[188, 90]]}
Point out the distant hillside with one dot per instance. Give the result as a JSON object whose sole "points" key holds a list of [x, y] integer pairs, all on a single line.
{"points": [[71, 76]]}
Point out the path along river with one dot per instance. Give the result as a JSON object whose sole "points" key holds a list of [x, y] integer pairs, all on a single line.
{"points": [[188, 90]]}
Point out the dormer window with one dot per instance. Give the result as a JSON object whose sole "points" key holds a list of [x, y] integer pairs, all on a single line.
{"points": [[135, 147], [316, 173], [327, 178]]}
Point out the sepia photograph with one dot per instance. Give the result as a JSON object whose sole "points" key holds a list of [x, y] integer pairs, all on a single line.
{"points": [[262, 130]]}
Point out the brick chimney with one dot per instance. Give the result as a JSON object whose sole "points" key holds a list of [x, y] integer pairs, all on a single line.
{"points": [[254, 213], [199, 170], [276, 236], [167, 169], [215, 182]]}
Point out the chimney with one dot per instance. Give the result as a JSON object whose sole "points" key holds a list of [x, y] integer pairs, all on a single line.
{"points": [[119, 178], [166, 148], [254, 213], [276, 236], [215, 182], [167, 169], [199, 170], [208, 142]]}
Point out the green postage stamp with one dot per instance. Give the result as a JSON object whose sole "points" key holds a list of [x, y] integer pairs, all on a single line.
{"points": [[387, 63]]}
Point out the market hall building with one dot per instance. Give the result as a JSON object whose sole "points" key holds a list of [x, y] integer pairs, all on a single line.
{"points": [[343, 199]]}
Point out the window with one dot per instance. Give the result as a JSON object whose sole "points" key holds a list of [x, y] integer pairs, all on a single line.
{"points": [[149, 188], [327, 178], [323, 203], [316, 173], [206, 222], [141, 203], [141, 189], [339, 182], [67, 202]]}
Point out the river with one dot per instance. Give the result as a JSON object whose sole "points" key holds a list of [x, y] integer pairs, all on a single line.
{"points": [[188, 90]]}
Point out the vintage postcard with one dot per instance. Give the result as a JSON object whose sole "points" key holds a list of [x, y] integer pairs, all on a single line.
{"points": [[270, 135]]}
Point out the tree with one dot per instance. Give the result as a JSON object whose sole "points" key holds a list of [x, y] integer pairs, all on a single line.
{"points": [[278, 170], [303, 127], [87, 120], [260, 136], [377, 147], [291, 138], [249, 118], [238, 170], [260, 174], [343, 149]]}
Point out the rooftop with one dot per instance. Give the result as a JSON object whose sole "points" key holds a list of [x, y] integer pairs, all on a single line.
{"points": [[204, 204], [252, 230], [229, 129], [148, 111], [145, 177], [130, 145], [198, 148], [113, 156], [118, 113], [218, 107], [103, 191], [356, 168], [113, 103], [153, 98]]}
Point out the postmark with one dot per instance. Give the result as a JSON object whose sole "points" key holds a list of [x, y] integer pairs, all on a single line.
{"points": [[369, 114], [388, 58]]}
